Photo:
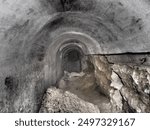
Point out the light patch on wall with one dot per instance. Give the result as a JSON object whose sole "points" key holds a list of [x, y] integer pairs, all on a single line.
{"points": [[116, 82]]}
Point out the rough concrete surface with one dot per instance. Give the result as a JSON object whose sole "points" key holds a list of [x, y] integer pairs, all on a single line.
{"points": [[107, 40]]}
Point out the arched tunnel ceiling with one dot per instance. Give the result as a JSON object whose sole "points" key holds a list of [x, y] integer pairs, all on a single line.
{"points": [[119, 26], [36, 34]]}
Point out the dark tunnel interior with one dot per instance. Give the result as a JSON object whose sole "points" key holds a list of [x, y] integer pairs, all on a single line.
{"points": [[72, 61]]}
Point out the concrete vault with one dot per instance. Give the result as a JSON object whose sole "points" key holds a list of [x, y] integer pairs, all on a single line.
{"points": [[64, 49], [103, 46]]}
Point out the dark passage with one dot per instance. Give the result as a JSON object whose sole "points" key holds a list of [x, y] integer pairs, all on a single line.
{"points": [[72, 61]]}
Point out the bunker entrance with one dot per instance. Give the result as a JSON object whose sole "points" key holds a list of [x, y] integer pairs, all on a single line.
{"points": [[72, 60]]}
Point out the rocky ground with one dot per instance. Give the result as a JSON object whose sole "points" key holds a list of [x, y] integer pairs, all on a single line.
{"points": [[56, 101], [109, 87]]}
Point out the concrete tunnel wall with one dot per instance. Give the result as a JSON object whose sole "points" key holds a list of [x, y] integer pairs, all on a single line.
{"points": [[30, 35], [53, 60]]}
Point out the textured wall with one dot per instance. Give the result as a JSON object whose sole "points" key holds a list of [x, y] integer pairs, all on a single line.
{"points": [[30, 56]]}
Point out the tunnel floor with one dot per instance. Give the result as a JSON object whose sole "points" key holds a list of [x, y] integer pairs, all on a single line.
{"points": [[83, 84]]}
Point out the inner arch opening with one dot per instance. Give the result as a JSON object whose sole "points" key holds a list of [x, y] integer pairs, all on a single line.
{"points": [[72, 59]]}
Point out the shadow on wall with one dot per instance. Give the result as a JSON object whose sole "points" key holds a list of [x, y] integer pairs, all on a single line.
{"points": [[70, 5]]}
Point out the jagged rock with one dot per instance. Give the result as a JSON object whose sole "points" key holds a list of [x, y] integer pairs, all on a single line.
{"points": [[102, 73], [123, 82], [58, 101], [116, 101], [116, 82], [135, 81]]}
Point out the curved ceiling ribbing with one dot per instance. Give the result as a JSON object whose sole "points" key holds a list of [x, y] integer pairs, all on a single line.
{"points": [[107, 36], [115, 24]]}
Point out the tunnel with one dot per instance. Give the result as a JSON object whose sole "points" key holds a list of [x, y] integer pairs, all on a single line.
{"points": [[72, 59], [105, 42]]}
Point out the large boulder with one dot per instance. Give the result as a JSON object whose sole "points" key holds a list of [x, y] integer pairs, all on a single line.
{"points": [[59, 101]]}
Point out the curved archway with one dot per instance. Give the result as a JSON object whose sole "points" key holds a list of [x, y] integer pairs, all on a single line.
{"points": [[66, 53], [72, 61], [71, 58]]}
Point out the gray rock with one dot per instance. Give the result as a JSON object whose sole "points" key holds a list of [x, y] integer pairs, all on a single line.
{"points": [[58, 101]]}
